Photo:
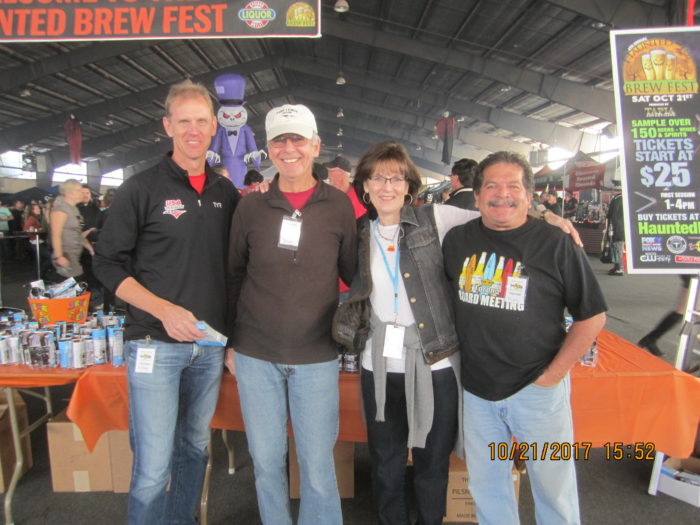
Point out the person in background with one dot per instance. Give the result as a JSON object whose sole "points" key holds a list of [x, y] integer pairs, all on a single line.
{"points": [[552, 202], [16, 226], [110, 301], [287, 249], [508, 274], [33, 225], [339, 170], [671, 319], [91, 216], [570, 206], [5, 219], [163, 251], [462, 181], [251, 180], [616, 231], [338, 175], [67, 239]]}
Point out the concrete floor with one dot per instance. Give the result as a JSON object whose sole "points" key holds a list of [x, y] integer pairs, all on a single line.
{"points": [[610, 492]]}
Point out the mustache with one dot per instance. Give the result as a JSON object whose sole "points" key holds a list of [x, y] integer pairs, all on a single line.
{"points": [[502, 202]]}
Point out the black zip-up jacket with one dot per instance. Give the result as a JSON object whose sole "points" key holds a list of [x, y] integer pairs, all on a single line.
{"points": [[173, 241]]}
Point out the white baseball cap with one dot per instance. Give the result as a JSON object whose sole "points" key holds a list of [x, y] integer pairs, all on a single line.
{"points": [[290, 118]]}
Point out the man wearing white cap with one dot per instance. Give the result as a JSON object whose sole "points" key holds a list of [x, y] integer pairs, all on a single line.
{"points": [[287, 249]]}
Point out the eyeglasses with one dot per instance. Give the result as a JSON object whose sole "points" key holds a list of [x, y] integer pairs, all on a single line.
{"points": [[279, 142], [378, 180]]}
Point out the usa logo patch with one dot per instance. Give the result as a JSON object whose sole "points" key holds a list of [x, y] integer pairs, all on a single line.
{"points": [[174, 207]]}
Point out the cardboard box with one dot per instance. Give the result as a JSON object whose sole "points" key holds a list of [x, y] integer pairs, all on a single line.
{"points": [[460, 506], [120, 458], [74, 469], [7, 446], [678, 488], [344, 455]]}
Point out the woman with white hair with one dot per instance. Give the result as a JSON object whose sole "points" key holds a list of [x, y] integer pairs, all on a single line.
{"points": [[67, 238]]}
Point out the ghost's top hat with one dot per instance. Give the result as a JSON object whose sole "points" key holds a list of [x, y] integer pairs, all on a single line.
{"points": [[230, 89]]}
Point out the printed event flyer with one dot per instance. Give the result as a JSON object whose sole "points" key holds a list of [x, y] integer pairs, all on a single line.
{"points": [[655, 73]]}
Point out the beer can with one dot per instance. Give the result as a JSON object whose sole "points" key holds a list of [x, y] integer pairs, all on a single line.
{"points": [[99, 346], [78, 353], [4, 352], [65, 353], [350, 362], [116, 345], [33, 351], [88, 351], [14, 350], [48, 339], [60, 328]]}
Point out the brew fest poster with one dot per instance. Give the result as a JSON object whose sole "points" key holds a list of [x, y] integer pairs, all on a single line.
{"points": [[75, 20], [658, 116]]}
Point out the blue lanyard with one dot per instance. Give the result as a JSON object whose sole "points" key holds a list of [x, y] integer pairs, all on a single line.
{"points": [[393, 276]]}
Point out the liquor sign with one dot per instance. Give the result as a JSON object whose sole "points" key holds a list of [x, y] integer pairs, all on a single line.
{"points": [[65, 20], [658, 114]]}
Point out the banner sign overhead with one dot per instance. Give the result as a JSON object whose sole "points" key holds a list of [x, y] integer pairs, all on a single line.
{"points": [[656, 96], [66, 20]]}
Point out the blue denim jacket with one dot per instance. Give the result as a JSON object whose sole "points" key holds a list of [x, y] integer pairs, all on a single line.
{"points": [[423, 275]]}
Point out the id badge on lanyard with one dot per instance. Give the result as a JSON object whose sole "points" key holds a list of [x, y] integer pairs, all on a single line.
{"points": [[393, 341], [393, 332], [290, 232], [145, 358]]}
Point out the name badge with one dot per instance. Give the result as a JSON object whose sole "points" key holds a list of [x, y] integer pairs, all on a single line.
{"points": [[145, 359], [393, 341], [290, 232]]}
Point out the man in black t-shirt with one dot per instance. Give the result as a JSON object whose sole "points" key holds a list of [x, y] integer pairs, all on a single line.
{"points": [[512, 277]]}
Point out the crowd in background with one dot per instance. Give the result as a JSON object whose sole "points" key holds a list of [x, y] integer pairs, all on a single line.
{"points": [[25, 228]]}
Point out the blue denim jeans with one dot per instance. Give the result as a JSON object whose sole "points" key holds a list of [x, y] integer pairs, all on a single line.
{"points": [[169, 415], [535, 414], [311, 393]]}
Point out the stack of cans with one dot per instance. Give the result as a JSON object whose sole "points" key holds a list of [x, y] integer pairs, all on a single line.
{"points": [[63, 290], [68, 345]]}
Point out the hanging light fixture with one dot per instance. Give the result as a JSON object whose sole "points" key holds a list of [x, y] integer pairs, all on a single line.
{"points": [[25, 93], [435, 136], [418, 147], [340, 113], [340, 145], [341, 6], [340, 132], [341, 79]]}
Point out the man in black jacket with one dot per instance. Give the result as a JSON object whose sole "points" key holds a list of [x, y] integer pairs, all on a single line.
{"points": [[163, 250]]}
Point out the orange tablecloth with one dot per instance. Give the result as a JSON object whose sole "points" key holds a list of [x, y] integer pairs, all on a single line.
{"points": [[100, 403], [631, 396], [20, 376]]}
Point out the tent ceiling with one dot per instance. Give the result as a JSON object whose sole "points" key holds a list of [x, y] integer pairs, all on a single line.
{"points": [[520, 72]]}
